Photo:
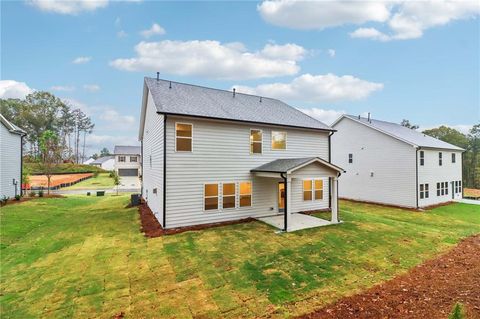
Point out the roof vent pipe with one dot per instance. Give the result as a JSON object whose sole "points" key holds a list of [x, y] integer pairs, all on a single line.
{"points": [[170, 86], [369, 120], [358, 116], [233, 92], [158, 76], [260, 99]]}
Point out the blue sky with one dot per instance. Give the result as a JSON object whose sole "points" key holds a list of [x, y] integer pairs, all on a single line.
{"points": [[419, 62]]}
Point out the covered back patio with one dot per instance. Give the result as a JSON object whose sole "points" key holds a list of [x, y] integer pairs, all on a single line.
{"points": [[296, 173]]}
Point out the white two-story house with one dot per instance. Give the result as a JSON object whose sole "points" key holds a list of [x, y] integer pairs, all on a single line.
{"points": [[390, 164], [213, 156], [127, 160]]}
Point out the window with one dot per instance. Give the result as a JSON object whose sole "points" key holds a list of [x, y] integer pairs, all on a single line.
{"points": [[459, 186], [318, 189], [307, 190], [424, 191], [350, 158], [455, 187], [183, 137], [121, 158], [279, 140], [454, 159], [440, 158], [150, 160], [210, 196], [228, 195], [422, 158], [446, 188], [438, 189], [256, 141], [245, 194], [133, 159]]}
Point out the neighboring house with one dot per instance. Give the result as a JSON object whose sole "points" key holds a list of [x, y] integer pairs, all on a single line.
{"points": [[128, 160], [391, 164], [89, 161], [10, 158], [212, 156], [105, 162]]}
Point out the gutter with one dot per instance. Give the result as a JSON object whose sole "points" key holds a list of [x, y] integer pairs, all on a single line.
{"points": [[285, 221], [164, 171]]}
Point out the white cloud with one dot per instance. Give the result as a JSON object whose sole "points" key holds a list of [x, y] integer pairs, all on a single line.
{"points": [[403, 19], [325, 116], [76, 104], [91, 87], [322, 14], [122, 34], [82, 60], [64, 88], [71, 7], [10, 89], [115, 119], [331, 53], [317, 88], [213, 59], [154, 30], [95, 142]]}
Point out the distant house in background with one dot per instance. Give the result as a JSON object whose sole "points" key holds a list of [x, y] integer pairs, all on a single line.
{"points": [[391, 164], [89, 161], [105, 162], [128, 160], [10, 158]]}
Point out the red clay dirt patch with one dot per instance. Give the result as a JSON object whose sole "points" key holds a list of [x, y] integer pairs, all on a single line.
{"points": [[471, 192], [61, 180], [152, 228], [429, 290]]}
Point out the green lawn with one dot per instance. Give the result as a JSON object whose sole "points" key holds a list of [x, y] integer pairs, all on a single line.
{"points": [[102, 181], [85, 257]]}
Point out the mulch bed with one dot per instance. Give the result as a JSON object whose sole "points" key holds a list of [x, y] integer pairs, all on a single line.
{"points": [[429, 290], [152, 228]]}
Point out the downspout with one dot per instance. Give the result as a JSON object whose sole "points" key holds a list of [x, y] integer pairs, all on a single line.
{"points": [[285, 222], [164, 170], [416, 175]]}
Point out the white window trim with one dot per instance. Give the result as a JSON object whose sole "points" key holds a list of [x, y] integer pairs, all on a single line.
{"points": [[125, 159], [234, 194], [271, 141], [420, 158], [251, 193], [311, 190], [218, 198], [133, 156], [250, 142], [191, 138], [314, 189], [348, 160]]}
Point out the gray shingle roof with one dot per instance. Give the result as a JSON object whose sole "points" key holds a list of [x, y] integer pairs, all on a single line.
{"points": [[11, 127], [128, 150], [187, 99], [284, 165], [103, 159], [405, 134]]}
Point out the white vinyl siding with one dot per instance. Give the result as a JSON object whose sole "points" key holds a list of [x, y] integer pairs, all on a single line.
{"points": [[221, 154], [10, 162], [152, 178], [383, 168]]}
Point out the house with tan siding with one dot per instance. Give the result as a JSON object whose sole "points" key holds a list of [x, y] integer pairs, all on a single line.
{"points": [[390, 164], [214, 156]]}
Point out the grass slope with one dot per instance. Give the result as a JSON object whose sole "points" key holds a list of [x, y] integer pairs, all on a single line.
{"points": [[102, 181], [34, 168], [84, 257]]}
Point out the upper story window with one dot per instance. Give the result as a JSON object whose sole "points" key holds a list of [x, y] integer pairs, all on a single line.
{"points": [[440, 159], [228, 195], [210, 196], [422, 158], [454, 159], [256, 138], [133, 159], [279, 140], [350, 158], [183, 137], [245, 194], [121, 159]]}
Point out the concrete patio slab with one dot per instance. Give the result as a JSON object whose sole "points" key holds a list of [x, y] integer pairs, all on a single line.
{"points": [[297, 221]]}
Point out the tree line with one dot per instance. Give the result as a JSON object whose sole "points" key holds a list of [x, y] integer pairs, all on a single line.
{"points": [[470, 142], [42, 111]]}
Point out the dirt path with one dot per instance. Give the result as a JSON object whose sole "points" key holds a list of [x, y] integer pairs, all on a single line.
{"points": [[429, 290]]}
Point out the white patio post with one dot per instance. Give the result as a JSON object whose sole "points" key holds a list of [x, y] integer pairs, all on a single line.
{"points": [[288, 202], [334, 200]]}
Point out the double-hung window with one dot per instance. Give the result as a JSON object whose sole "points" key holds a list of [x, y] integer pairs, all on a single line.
{"points": [[312, 189], [446, 188], [228, 195], [422, 158], [210, 196], [183, 137], [245, 194], [256, 138], [440, 161], [121, 159], [454, 158], [350, 158], [279, 140], [307, 189], [424, 193], [459, 186], [438, 189], [133, 159], [318, 189]]}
